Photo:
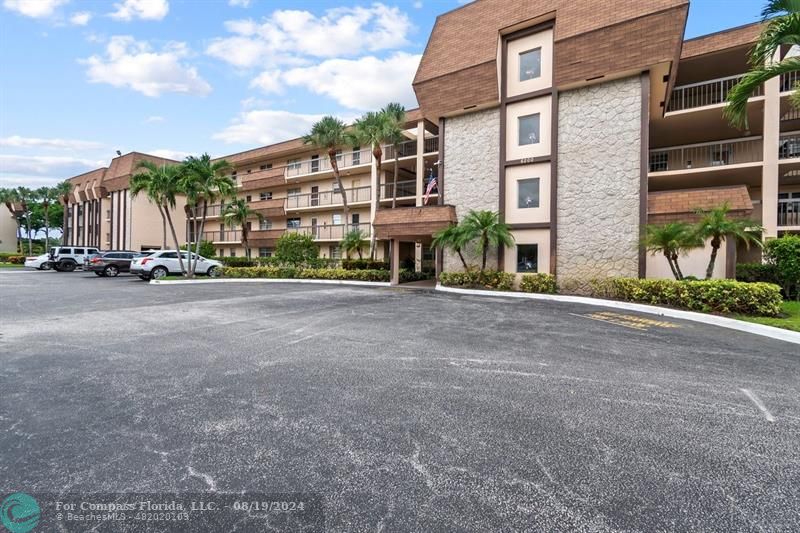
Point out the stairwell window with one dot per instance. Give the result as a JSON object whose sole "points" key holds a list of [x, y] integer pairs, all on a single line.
{"points": [[527, 258], [528, 193], [530, 64], [529, 129]]}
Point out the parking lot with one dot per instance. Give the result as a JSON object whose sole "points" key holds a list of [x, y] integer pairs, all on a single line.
{"points": [[404, 410]]}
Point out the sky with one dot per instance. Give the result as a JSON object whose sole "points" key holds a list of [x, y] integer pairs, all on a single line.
{"points": [[84, 78]]}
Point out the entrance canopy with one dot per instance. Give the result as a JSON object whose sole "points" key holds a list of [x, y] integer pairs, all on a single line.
{"points": [[413, 223]]}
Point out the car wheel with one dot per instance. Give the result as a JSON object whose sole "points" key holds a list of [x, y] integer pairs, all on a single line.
{"points": [[96, 273], [68, 266], [112, 271], [213, 272], [158, 273], [47, 265]]}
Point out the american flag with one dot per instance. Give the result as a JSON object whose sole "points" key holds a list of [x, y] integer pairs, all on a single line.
{"points": [[431, 186]]}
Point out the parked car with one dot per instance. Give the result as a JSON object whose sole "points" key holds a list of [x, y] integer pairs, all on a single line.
{"points": [[40, 262], [68, 258], [112, 263], [162, 263]]}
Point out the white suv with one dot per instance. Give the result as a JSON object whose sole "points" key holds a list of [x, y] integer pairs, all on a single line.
{"points": [[163, 263], [68, 258]]}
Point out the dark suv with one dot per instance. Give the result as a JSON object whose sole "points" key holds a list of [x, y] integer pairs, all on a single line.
{"points": [[112, 263]]}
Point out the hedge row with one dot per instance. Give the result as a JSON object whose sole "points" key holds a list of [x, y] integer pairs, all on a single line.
{"points": [[475, 279], [364, 264], [541, 283], [407, 276], [274, 261], [288, 272], [709, 296]]}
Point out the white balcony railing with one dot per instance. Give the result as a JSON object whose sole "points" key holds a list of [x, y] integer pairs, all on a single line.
{"points": [[704, 93], [705, 155], [331, 232], [328, 198], [323, 163]]}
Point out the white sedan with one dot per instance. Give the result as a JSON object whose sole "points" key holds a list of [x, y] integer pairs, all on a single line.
{"points": [[40, 262], [162, 263]]}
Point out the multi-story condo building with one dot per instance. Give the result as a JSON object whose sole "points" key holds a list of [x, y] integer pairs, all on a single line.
{"points": [[578, 124]]}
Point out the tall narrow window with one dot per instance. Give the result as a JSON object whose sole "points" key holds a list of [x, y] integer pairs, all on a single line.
{"points": [[530, 64], [529, 129], [528, 193], [527, 258]]}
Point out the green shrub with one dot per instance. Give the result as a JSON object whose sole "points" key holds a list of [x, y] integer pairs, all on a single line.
{"points": [[239, 262], [753, 272], [290, 272], [475, 279], [207, 249], [243, 261], [784, 255], [295, 249], [541, 282], [407, 276], [364, 264], [718, 296]]}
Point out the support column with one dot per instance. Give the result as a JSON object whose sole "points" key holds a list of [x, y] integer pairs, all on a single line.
{"points": [[374, 184], [394, 250], [420, 162], [770, 170], [418, 257]]}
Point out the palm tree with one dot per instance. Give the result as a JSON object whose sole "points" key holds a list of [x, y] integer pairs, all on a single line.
{"points": [[26, 198], [203, 181], [236, 214], [715, 224], [61, 192], [453, 237], [328, 134], [783, 29], [47, 195], [373, 129], [396, 118], [486, 228], [672, 240], [161, 184], [353, 241], [10, 197]]}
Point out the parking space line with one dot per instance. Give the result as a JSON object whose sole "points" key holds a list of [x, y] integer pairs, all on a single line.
{"points": [[756, 400]]}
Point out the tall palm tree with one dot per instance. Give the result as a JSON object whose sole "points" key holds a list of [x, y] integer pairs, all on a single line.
{"points": [[353, 241], [453, 237], [373, 129], [715, 224], [161, 184], [396, 118], [328, 134], [672, 240], [61, 192], [47, 195], [204, 182], [26, 198], [237, 213], [10, 197], [486, 228], [783, 28]]}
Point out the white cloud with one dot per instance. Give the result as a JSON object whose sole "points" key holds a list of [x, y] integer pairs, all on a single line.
{"points": [[153, 119], [33, 8], [268, 81], [364, 83], [16, 141], [417, 5], [80, 18], [286, 36], [140, 9], [239, 3], [266, 126], [133, 64], [175, 155], [35, 165]]}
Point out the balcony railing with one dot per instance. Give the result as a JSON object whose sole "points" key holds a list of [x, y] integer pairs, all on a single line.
{"points": [[323, 163], [409, 148], [789, 80], [704, 93], [788, 213], [328, 198], [404, 189], [333, 232], [269, 208], [789, 145], [229, 235], [705, 155]]}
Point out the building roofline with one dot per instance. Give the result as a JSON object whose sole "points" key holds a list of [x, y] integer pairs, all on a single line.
{"points": [[726, 30]]}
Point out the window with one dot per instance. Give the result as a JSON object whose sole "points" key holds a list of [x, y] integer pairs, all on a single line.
{"points": [[265, 196], [249, 198], [356, 155], [262, 167], [356, 219], [659, 161], [530, 64], [527, 257], [269, 165], [169, 255], [233, 252], [315, 163], [249, 170], [265, 252], [336, 252], [292, 223], [293, 192], [293, 164], [265, 224], [79, 251], [529, 129], [337, 218], [221, 252], [528, 193], [339, 156]]}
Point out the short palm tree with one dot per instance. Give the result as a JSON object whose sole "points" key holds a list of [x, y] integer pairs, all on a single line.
{"points": [[328, 134], [237, 213], [672, 240], [46, 196], [62, 192], [715, 224], [26, 198], [161, 184], [454, 238], [353, 241], [782, 29], [10, 197], [204, 182], [486, 228], [396, 119]]}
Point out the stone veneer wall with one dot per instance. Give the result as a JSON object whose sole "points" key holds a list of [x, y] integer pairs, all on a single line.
{"points": [[599, 151], [472, 157]]}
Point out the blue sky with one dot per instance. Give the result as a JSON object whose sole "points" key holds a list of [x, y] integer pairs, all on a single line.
{"points": [[83, 78]]}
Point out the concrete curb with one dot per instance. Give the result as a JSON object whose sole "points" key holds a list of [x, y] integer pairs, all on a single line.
{"points": [[272, 280], [714, 320]]}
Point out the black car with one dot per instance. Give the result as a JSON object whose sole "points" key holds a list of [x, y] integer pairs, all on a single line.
{"points": [[112, 263]]}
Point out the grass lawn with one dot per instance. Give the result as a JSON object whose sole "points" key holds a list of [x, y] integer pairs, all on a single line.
{"points": [[10, 265], [790, 320]]}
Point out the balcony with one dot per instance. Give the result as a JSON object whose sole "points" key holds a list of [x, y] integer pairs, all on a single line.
{"points": [[789, 80], [405, 189], [788, 213], [707, 155], [229, 235], [323, 163], [264, 237], [789, 145], [269, 208], [263, 179], [334, 232], [409, 148], [328, 198], [705, 93]]}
